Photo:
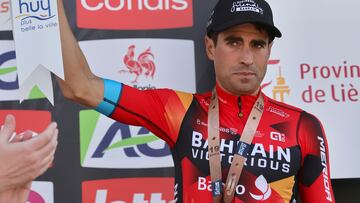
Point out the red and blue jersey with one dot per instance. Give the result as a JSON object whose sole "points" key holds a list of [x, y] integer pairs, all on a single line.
{"points": [[288, 155]]}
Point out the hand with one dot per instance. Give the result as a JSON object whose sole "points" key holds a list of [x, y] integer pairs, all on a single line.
{"points": [[21, 193], [16, 195], [24, 161]]}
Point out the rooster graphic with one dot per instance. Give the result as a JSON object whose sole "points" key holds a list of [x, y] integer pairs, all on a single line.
{"points": [[143, 65]]}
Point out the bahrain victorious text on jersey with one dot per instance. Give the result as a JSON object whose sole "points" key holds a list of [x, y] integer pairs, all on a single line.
{"points": [[288, 155]]}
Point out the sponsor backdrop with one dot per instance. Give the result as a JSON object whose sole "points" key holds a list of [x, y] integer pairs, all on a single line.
{"points": [[315, 66], [5, 17], [41, 192]]}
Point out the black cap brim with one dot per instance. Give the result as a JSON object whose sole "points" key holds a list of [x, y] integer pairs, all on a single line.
{"points": [[274, 30]]}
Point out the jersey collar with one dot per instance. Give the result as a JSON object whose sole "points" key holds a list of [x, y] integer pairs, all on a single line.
{"points": [[230, 100]]}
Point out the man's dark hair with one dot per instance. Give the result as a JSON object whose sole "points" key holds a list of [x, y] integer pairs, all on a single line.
{"points": [[260, 27]]}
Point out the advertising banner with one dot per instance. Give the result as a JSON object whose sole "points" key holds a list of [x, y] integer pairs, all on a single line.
{"points": [[35, 27], [5, 15], [318, 69]]}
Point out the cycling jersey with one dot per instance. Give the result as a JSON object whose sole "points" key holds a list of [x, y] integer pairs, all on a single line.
{"points": [[288, 155]]}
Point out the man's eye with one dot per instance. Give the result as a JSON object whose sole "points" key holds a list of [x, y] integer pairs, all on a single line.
{"points": [[233, 43], [259, 45]]}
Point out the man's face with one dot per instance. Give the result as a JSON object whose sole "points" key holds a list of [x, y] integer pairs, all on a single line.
{"points": [[240, 58]]}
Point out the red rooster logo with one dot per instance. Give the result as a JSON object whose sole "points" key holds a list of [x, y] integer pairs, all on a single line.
{"points": [[144, 64]]}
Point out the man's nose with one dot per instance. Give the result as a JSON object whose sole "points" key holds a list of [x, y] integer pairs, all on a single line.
{"points": [[246, 56]]}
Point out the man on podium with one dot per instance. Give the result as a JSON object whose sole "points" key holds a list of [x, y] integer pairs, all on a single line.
{"points": [[255, 148]]}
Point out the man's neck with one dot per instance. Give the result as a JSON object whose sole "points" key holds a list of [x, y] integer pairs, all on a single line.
{"points": [[239, 94]]}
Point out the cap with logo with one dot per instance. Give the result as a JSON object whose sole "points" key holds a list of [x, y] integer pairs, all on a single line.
{"points": [[228, 13]]}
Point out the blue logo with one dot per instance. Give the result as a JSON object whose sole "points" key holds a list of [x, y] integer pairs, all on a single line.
{"points": [[4, 85], [108, 144], [39, 9], [128, 142]]}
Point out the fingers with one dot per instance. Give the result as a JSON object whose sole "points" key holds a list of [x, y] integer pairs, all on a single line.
{"points": [[8, 128], [27, 135], [44, 157], [47, 161], [44, 138], [16, 138], [40, 160], [30, 157], [47, 152], [39, 149], [28, 185]]}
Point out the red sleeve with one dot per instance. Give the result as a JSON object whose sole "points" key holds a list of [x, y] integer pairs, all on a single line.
{"points": [[160, 111], [314, 175]]}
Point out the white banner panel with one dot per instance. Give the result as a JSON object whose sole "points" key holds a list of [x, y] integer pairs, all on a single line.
{"points": [[143, 64], [41, 192], [37, 37], [5, 15], [9, 82], [317, 68], [172, 62]]}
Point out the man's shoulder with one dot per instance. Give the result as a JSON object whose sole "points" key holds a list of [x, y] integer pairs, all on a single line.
{"points": [[203, 95], [284, 109], [282, 105], [203, 99]]}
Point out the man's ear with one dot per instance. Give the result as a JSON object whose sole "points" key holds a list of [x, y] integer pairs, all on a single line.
{"points": [[210, 48]]}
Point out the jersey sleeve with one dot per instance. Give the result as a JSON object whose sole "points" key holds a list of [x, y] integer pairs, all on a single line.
{"points": [[314, 175], [161, 111]]}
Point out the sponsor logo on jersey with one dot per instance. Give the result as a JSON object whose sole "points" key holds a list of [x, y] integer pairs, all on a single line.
{"points": [[278, 111], [109, 144], [5, 17], [263, 186], [41, 192], [204, 184], [25, 119], [139, 190], [231, 131], [280, 89], [276, 158], [176, 192], [276, 136], [134, 14], [325, 169]]}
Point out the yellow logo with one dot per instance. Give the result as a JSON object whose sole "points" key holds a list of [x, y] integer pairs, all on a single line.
{"points": [[280, 88]]}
